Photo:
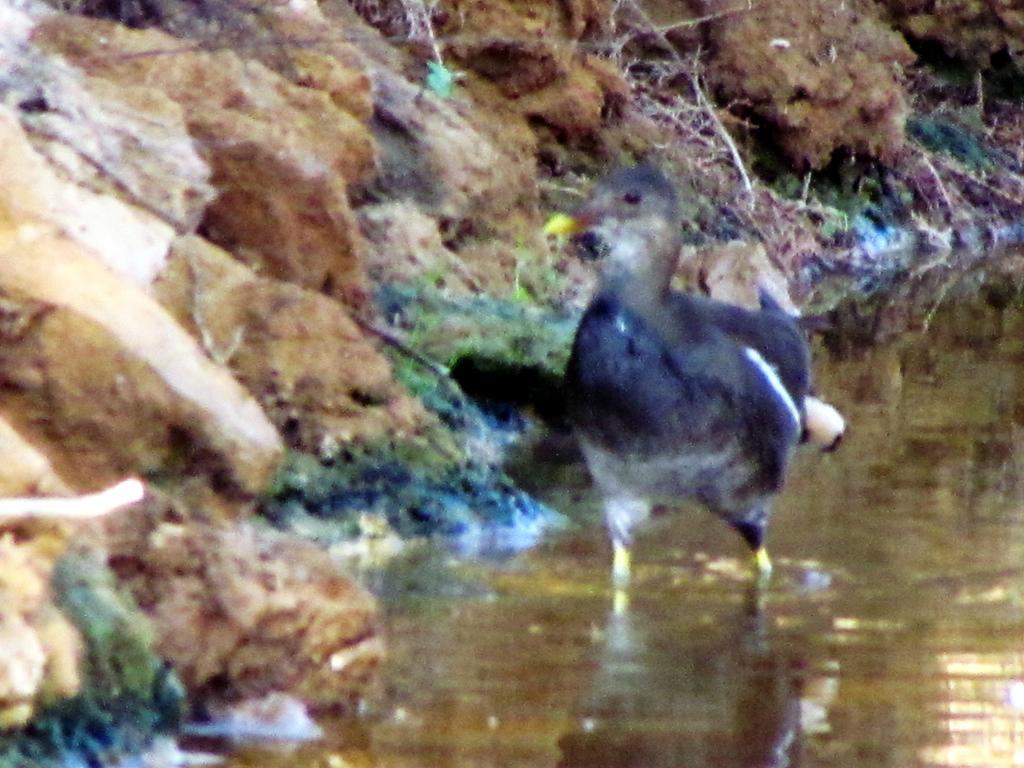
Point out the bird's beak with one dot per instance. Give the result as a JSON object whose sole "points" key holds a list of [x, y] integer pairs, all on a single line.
{"points": [[564, 225]]}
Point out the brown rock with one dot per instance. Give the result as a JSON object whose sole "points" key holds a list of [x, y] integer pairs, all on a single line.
{"points": [[438, 158], [22, 661], [95, 373], [823, 75], [39, 649], [735, 273], [121, 153], [333, 65], [973, 31], [407, 243], [274, 613], [282, 155], [432, 154], [299, 353], [129, 238], [24, 469], [525, 49]]}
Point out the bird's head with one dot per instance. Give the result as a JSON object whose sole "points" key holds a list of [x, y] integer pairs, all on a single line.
{"points": [[631, 222]]}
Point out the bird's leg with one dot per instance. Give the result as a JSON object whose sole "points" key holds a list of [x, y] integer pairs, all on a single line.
{"points": [[762, 562], [621, 515], [622, 560], [752, 532]]}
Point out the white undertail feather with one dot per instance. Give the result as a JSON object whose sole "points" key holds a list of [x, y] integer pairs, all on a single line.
{"points": [[825, 425], [775, 382]]}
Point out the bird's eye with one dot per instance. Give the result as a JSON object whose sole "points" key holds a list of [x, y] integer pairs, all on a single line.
{"points": [[632, 197]]}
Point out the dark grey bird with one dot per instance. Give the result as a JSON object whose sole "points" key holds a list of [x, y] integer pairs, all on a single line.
{"points": [[674, 396]]}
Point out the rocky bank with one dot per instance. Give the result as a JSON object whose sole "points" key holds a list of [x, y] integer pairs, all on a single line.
{"points": [[257, 254]]}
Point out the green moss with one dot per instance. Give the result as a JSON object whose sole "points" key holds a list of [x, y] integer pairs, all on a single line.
{"points": [[442, 396], [446, 329], [940, 133], [505, 353], [416, 494], [128, 693], [509, 352]]}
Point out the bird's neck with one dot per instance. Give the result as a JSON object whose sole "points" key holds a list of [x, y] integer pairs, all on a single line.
{"points": [[639, 295], [639, 270]]}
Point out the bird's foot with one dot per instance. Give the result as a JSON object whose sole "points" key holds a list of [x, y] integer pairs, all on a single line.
{"points": [[762, 564]]}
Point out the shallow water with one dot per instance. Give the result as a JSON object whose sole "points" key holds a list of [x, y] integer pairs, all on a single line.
{"points": [[892, 633]]}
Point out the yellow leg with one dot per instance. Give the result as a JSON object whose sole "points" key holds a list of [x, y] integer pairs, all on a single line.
{"points": [[621, 563], [620, 601], [621, 566], [762, 563]]}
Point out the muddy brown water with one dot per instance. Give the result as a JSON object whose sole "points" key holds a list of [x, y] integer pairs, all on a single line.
{"points": [[892, 633]]}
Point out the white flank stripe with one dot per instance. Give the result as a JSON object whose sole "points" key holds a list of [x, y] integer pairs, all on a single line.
{"points": [[776, 383]]}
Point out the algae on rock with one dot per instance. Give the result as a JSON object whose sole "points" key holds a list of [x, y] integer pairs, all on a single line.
{"points": [[128, 694], [509, 335], [448, 480]]}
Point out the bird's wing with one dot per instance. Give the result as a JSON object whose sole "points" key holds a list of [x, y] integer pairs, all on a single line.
{"points": [[774, 420], [629, 390], [767, 374], [773, 333]]}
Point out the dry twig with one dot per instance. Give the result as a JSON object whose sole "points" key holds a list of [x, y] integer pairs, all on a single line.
{"points": [[90, 505]]}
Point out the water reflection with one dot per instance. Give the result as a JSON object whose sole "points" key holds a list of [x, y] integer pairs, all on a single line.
{"points": [[670, 695], [982, 710], [892, 634]]}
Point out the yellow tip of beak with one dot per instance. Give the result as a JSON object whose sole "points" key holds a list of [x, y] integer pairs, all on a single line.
{"points": [[762, 562], [562, 224]]}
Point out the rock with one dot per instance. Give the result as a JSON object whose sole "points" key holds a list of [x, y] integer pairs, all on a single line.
{"points": [[735, 273], [533, 340], [96, 374], [276, 716], [441, 160], [824, 76], [525, 51], [123, 143], [432, 154], [64, 232], [113, 168], [24, 469], [334, 64], [298, 352], [128, 691], [466, 162], [285, 153], [76, 657], [407, 243], [282, 156], [274, 612], [39, 649], [971, 31], [22, 662]]}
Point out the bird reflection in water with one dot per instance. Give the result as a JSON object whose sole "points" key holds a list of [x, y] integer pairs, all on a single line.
{"points": [[720, 694]]}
